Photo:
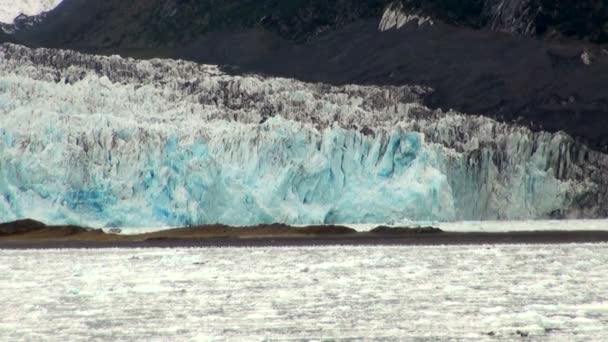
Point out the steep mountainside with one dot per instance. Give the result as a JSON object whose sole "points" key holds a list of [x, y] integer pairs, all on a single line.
{"points": [[103, 23], [585, 19], [485, 57]]}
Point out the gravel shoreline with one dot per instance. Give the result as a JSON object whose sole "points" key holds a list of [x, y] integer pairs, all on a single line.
{"points": [[30, 234], [358, 239]]}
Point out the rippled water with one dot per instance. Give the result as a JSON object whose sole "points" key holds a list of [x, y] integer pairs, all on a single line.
{"points": [[391, 293]]}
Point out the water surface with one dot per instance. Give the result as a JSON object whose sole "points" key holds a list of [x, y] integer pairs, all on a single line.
{"points": [[389, 293]]}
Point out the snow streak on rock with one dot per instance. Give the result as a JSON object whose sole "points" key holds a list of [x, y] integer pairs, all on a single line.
{"points": [[107, 141], [512, 16], [395, 17]]}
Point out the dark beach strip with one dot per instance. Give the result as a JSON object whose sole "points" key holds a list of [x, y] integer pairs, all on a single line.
{"points": [[30, 234]]}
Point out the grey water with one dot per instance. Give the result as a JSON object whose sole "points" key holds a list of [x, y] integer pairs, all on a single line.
{"points": [[557, 292]]}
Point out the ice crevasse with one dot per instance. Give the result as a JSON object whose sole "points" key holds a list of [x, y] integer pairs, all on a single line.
{"points": [[111, 142]]}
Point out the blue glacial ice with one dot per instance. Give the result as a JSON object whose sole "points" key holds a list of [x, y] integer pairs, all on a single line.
{"points": [[235, 174], [111, 142]]}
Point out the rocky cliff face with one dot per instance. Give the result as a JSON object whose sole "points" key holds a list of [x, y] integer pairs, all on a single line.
{"points": [[586, 20]]}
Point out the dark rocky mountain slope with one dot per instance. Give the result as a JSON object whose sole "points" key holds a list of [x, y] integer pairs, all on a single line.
{"points": [[539, 62], [99, 23]]}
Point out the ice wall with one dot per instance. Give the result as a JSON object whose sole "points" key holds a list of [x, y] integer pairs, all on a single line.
{"points": [[106, 141]]}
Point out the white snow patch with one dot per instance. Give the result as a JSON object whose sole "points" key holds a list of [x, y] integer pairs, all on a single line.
{"points": [[586, 57], [10, 9]]}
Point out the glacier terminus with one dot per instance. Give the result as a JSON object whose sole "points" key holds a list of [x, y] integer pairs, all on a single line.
{"points": [[115, 142]]}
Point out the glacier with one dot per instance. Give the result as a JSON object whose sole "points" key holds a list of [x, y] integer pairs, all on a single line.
{"points": [[115, 142]]}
